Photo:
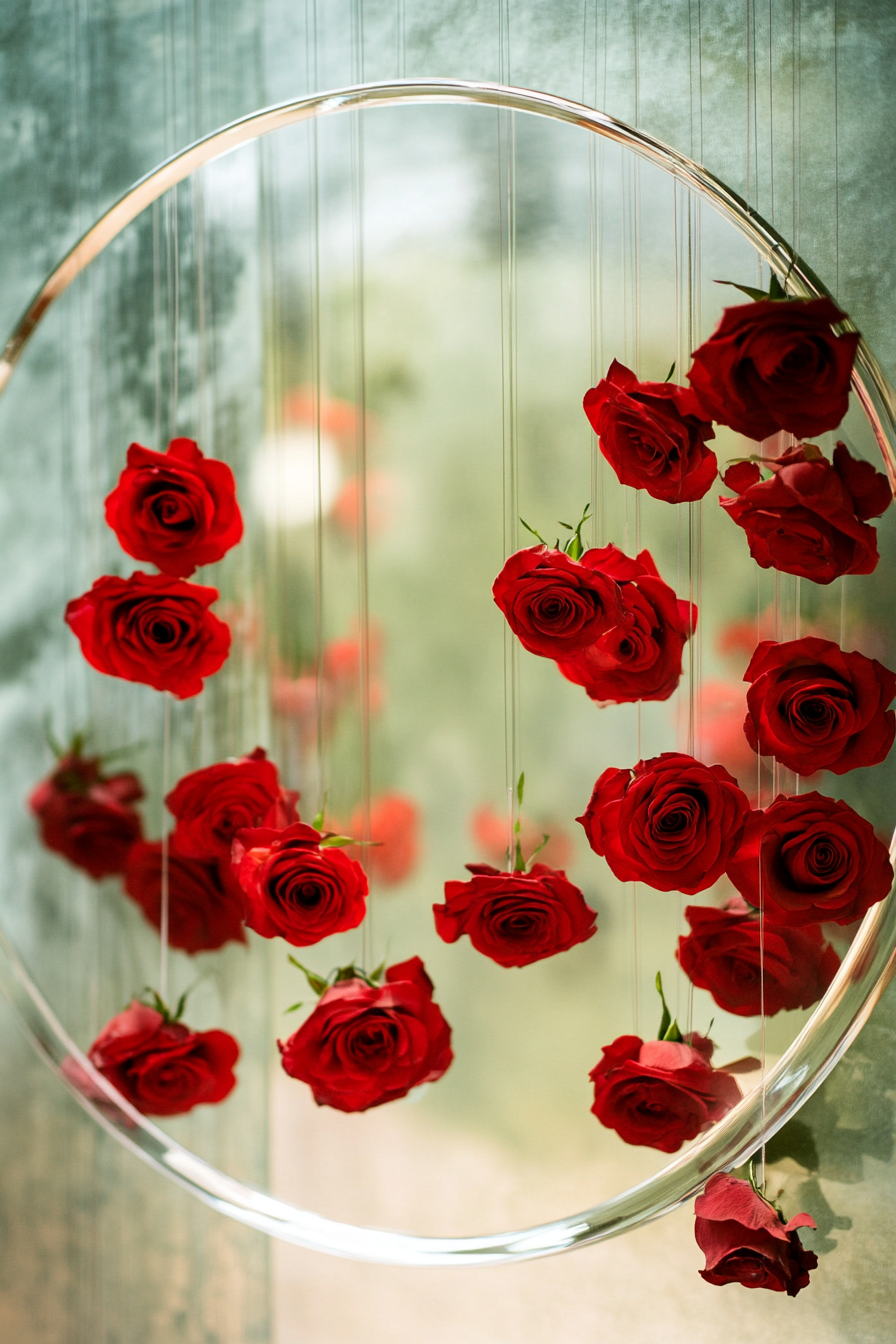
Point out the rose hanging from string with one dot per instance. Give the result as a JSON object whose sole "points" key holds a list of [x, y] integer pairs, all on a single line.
{"points": [[210, 805], [205, 906], [746, 1240]]}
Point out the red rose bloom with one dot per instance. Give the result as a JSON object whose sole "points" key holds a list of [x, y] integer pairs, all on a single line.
{"points": [[395, 832], [177, 509], [164, 1068], [659, 1094], [212, 804], [814, 707], [151, 629], [205, 904], [293, 888], [810, 859], [87, 816], [745, 1240], [722, 954], [776, 365], [806, 519], [553, 604], [364, 1045], [653, 435], [672, 822], [639, 658], [515, 918]]}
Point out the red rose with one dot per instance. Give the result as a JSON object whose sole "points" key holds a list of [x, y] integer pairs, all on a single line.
{"points": [[809, 859], [205, 904], [212, 804], [776, 365], [293, 888], [164, 1068], [553, 604], [177, 509], [653, 435], [515, 918], [722, 954], [745, 1239], [814, 707], [87, 816], [395, 831], [151, 629], [639, 658], [672, 822], [659, 1094], [365, 1045], [805, 519]]}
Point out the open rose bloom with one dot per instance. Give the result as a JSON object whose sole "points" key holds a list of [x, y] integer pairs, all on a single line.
{"points": [[746, 1241]]}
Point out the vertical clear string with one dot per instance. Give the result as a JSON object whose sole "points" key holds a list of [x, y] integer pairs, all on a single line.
{"points": [[164, 910], [316, 384]]}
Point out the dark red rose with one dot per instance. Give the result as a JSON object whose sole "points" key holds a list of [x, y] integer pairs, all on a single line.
{"points": [[653, 435], [293, 888], [805, 519], [553, 604], [205, 904], [725, 951], [87, 816], [515, 918], [395, 832], [659, 1094], [151, 629], [745, 1239], [814, 707], [672, 822], [776, 365], [810, 859], [212, 804], [365, 1045], [177, 510], [640, 658], [164, 1068]]}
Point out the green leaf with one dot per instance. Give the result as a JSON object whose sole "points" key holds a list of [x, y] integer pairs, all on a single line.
{"points": [[750, 290], [776, 290], [534, 533], [519, 863], [538, 849], [318, 822], [670, 373], [520, 786], [315, 982], [340, 841], [666, 1019], [575, 547], [673, 1033], [293, 1007], [350, 972], [181, 1005], [377, 975]]}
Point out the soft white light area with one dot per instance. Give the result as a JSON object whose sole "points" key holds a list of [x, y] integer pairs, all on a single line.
{"points": [[284, 477]]}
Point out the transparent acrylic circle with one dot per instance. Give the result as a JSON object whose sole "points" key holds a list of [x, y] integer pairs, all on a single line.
{"points": [[866, 968]]}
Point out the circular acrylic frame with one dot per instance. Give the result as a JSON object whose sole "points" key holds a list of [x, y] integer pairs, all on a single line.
{"points": [[865, 970]]}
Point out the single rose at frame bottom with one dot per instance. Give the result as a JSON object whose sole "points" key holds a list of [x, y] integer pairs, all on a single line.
{"points": [[364, 1044], [746, 1241], [86, 815], [515, 918], [210, 805], [205, 904]]}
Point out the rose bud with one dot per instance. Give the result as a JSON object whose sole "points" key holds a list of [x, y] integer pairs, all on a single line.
{"points": [[814, 707], [639, 658], [366, 1044], [810, 859], [776, 365], [395, 835], [87, 816], [745, 1239], [653, 435], [177, 509], [556, 605], [727, 951], [205, 904], [151, 629], [162, 1067], [212, 804], [672, 822]]}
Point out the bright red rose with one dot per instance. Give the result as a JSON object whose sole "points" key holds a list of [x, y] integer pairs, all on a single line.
{"points": [[659, 1094], [364, 1045], [672, 822], [395, 831], [556, 605], [151, 629], [805, 519], [515, 918], [809, 859], [212, 804], [814, 707], [87, 816], [640, 658], [164, 1068], [177, 510], [653, 435], [722, 954], [293, 888], [776, 365], [745, 1239], [205, 904]]}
